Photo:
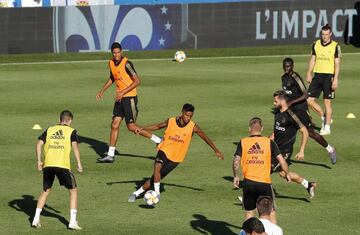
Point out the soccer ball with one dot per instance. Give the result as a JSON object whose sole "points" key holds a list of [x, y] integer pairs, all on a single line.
{"points": [[151, 197], [180, 56]]}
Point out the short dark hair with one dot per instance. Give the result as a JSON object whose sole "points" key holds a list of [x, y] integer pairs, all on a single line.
{"points": [[326, 27], [264, 205], [288, 60], [66, 115], [115, 45], [253, 224], [188, 107], [255, 121], [281, 94]]}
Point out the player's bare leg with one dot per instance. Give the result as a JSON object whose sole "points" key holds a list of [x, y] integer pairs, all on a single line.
{"points": [[309, 186], [249, 214], [315, 106], [39, 206], [73, 224], [328, 114], [132, 127], [114, 133], [155, 178], [321, 140]]}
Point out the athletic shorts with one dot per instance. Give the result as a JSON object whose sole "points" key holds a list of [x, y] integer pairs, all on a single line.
{"points": [[321, 82], [252, 190], [167, 164], [65, 177], [304, 116], [275, 165], [126, 108]]}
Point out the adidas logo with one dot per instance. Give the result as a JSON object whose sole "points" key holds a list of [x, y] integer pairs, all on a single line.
{"points": [[255, 149], [58, 135]]}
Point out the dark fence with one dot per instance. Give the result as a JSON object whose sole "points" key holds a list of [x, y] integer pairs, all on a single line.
{"points": [[155, 27]]}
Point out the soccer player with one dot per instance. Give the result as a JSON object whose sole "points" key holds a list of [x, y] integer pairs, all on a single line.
{"points": [[286, 124], [265, 206], [255, 154], [295, 90], [172, 150], [57, 142], [122, 72], [325, 64]]}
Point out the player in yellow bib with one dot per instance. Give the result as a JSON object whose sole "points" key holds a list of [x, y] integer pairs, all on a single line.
{"points": [[172, 150], [325, 65], [57, 142]]}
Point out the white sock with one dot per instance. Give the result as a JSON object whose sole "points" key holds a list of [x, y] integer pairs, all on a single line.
{"points": [[37, 214], [327, 127], [329, 148], [305, 183], [157, 187], [139, 191], [111, 151], [156, 139], [73, 213]]}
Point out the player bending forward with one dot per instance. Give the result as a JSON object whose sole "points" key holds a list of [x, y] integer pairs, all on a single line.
{"points": [[172, 150]]}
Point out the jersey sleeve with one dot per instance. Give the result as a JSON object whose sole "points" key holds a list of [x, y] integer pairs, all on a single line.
{"points": [[300, 83], [130, 70], [313, 49], [74, 137], [274, 149], [337, 51], [43, 136], [238, 151]]}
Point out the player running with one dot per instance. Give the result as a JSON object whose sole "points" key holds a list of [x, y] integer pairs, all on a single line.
{"points": [[57, 141], [172, 150], [296, 92], [122, 72], [286, 124]]}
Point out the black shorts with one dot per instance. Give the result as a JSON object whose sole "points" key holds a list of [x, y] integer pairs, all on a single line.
{"points": [[65, 177], [252, 190], [167, 164], [321, 82], [275, 165], [126, 107], [304, 116]]}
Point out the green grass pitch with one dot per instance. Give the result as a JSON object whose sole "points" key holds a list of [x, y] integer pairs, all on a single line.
{"points": [[198, 196]]}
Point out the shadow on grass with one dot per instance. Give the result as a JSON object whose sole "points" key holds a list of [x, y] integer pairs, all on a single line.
{"points": [[27, 205], [277, 195], [139, 183], [312, 164], [204, 225], [101, 148]]}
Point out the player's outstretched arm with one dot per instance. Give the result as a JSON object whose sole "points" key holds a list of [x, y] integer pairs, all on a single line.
{"points": [[305, 136], [236, 165], [38, 150], [310, 68], [77, 155], [107, 84], [153, 127], [207, 140], [133, 85]]}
